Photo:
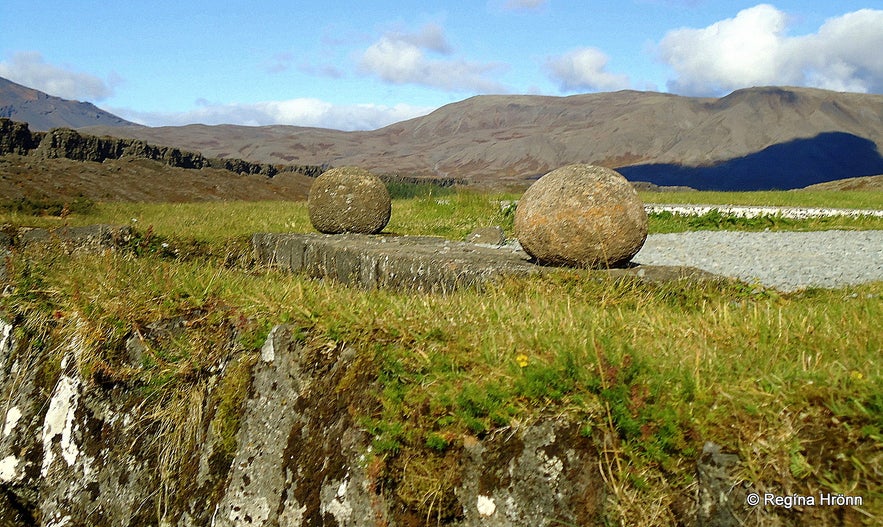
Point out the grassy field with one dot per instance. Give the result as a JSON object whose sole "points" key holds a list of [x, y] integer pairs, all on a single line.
{"points": [[790, 382], [444, 212]]}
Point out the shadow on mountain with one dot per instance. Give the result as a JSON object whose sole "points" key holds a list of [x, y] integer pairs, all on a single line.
{"points": [[795, 164]]}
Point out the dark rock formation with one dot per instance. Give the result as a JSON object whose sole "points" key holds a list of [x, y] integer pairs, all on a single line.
{"points": [[349, 199], [583, 216], [16, 138]]}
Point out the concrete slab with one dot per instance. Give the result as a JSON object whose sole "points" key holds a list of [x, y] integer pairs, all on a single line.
{"points": [[419, 263]]}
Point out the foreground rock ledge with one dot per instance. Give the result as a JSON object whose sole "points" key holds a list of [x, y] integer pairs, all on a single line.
{"points": [[420, 263], [84, 454]]}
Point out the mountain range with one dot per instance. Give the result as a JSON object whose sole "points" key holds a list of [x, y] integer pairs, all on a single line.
{"points": [[755, 138]]}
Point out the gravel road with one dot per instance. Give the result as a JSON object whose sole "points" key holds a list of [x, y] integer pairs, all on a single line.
{"points": [[786, 261]]}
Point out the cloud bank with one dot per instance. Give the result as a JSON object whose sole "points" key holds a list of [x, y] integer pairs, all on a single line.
{"points": [[404, 58], [297, 112], [28, 68], [753, 48]]}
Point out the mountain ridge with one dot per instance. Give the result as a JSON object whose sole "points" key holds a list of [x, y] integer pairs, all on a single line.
{"points": [[509, 140], [43, 112]]}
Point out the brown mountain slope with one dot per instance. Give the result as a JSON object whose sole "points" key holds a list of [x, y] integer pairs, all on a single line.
{"points": [[496, 139], [43, 112]]}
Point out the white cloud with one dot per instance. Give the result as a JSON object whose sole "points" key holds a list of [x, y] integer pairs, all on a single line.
{"points": [[297, 112], [845, 54], [753, 49], [585, 69], [28, 68], [401, 58]]}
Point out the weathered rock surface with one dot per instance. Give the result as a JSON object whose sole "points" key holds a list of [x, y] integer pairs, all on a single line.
{"points": [[15, 138], [349, 199], [582, 216], [487, 236], [75, 451], [715, 489], [422, 263]]}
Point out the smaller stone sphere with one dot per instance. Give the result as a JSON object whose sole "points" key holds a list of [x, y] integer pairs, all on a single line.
{"points": [[349, 199], [581, 216]]}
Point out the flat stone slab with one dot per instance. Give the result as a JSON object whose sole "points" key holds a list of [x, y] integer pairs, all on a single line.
{"points": [[422, 263], [374, 261]]}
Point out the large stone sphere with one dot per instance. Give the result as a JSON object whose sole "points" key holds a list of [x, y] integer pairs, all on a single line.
{"points": [[581, 216], [348, 199]]}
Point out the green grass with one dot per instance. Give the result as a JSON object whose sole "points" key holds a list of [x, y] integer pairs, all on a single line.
{"points": [[442, 212], [714, 220], [847, 199], [791, 382]]}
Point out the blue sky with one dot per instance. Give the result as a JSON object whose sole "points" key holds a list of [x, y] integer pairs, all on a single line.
{"points": [[364, 64]]}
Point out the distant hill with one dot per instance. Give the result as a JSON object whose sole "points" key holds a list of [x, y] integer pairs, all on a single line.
{"points": [[855, 183], [44, 112], [757, 138]]}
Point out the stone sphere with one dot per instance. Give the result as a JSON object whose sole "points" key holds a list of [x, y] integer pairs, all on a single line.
{"points": [[348, 199], [581, 216]]}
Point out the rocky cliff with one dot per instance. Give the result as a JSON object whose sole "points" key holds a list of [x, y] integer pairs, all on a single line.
{"points": [[271, 439], [16, 138]]}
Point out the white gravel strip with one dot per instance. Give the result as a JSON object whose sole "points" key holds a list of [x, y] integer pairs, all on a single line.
{"points": [[786, 261], [751, 212]]}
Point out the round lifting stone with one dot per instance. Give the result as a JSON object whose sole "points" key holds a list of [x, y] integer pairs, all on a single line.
{"points": [[582, 216], [349, 199]]}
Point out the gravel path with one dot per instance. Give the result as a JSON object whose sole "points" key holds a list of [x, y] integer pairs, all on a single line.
{"points": [[751, 212], [786, 261]]}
